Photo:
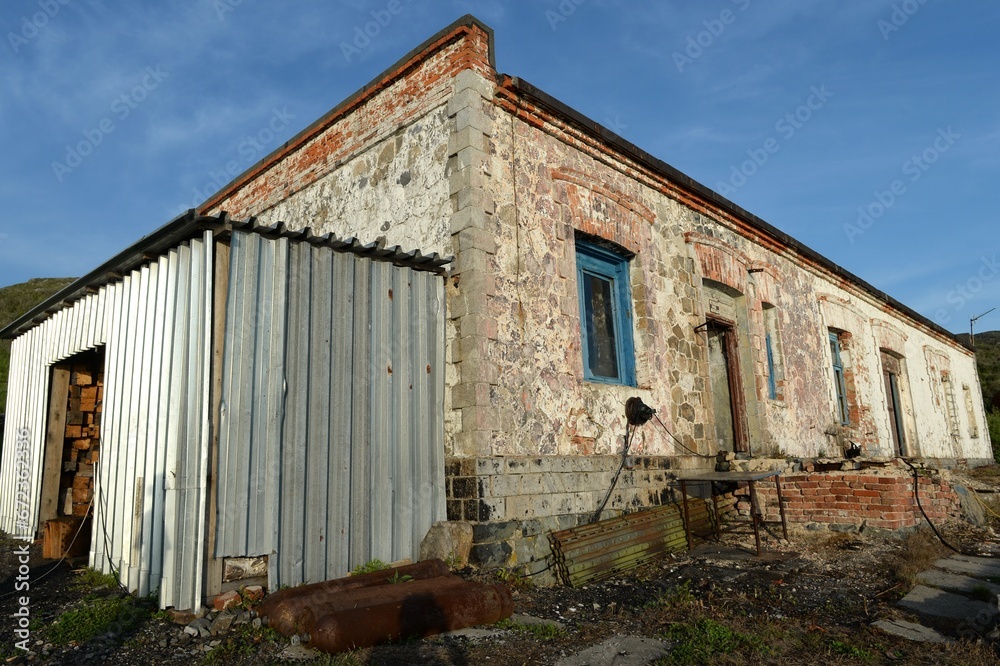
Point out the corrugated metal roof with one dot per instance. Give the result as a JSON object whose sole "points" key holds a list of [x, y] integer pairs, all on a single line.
{"points": [[191, 225]]}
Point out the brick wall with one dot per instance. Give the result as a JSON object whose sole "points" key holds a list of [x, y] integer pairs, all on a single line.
{"points": [[879, 501]]}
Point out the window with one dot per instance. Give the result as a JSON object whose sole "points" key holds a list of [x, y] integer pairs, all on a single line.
{"points": [[843, 413], [605, 314], [772, 346]]}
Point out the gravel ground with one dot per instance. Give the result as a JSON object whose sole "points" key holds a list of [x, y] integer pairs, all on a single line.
{"points": [[811, 599]]}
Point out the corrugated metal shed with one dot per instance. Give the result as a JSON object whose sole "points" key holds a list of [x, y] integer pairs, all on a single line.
{"points": [[150, 482], [329, 459], [332, 399]]}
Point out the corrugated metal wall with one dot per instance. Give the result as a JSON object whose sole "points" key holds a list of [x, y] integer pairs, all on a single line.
{"points": [[150, 497], [331, 445]]}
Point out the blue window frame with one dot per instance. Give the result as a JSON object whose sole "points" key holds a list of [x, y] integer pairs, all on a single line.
{"points": [[605, 315], [838, 379], [772, 383]]}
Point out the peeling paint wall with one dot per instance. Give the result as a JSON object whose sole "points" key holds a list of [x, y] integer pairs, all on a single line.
{"points": [[549, 182], [373, 167]]}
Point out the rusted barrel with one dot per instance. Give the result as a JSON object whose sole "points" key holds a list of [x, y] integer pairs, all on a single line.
{"points": [[407, 613], [298, 615], [276, 606]]}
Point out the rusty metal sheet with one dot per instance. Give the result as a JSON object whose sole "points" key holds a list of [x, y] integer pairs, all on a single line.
{"points": [[600, 550]]}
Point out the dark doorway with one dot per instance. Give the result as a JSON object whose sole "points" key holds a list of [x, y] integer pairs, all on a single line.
{"points": [[891, 372], [727, 394]]}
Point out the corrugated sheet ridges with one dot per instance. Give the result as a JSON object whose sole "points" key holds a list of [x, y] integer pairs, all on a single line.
{"points": [[352, 378]]}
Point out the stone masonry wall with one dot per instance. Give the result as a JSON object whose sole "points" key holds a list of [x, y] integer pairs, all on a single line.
{"points": [[514, 502]]}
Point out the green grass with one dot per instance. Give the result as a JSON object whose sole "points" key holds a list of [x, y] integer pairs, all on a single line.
{"points": [[703, 641], [119, 614], [241, 645], [369, 567], [993, 419], [92, 578], [15, 300], [541, 631]]}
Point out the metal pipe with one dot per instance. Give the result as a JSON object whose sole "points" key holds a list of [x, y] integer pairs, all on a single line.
{"points": [[282, 608], [401, 615]]}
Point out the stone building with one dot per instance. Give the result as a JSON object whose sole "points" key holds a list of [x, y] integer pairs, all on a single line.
{"points": [[587, 272]]}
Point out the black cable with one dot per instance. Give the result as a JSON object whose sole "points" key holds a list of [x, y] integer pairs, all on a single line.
{"points": [[916, 494], [61, 559], [614, 481], [679, 442]]}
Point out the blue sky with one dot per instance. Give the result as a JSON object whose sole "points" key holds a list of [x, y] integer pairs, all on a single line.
{"points": [[868, 130]]}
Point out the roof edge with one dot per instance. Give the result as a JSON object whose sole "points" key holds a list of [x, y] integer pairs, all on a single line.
{"points": [[316, 127], [602, 133], [188, 225]]}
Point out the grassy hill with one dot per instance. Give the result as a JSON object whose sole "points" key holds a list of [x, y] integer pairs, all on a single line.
{"points": [[15, 300], [988, 360]]}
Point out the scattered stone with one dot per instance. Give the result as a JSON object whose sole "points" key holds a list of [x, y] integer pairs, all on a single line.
{"points": [[256, 623], [222, 623], [938, 603], [191, 630], [227, 600], [201, 626], [470, 633], [243, 617], [912, 631], [619, 651], [529, 620], [253, 593], [201, 612], [299, 653], [295, 640], [181, 617]]}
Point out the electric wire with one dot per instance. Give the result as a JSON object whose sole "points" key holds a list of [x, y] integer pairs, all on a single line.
{"points": [[629, 432], [61, 559], [679, 442], [916, 494]]}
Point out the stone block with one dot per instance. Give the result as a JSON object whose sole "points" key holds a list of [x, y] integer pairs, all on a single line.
{"points": [[468, 137], [492, 555], [475, 238], [480, 418], [470, 217], [448, 541], [491, 532], [469, 116], [467, 79], [467, 98]]}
